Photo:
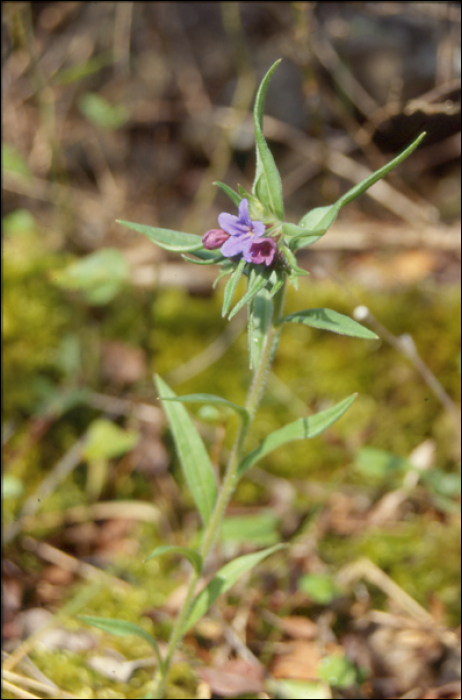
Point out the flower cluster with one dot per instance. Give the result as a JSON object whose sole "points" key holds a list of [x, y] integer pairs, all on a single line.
{"points": [[240, 236]]}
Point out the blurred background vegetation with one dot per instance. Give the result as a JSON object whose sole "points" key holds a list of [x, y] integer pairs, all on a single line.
{"points": [[130, 111]]}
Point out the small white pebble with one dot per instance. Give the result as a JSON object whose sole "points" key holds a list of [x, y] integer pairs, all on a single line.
{"points": [[361, 313]]}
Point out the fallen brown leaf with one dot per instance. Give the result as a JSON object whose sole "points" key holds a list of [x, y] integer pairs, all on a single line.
{"points": [[234, 678], [300, 659]]}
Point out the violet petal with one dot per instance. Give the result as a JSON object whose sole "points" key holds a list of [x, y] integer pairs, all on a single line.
{"points": [[233, 246], [231, 224]]}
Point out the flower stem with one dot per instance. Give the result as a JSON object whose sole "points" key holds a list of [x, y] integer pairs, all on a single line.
{"points": [[227, 488]]}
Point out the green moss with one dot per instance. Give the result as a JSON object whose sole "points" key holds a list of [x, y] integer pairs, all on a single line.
{"points": [[421, 556], [34, 318], [394, 411], [248, 493], [71, 672], [182, 682], [150, 584], [68, 671]]}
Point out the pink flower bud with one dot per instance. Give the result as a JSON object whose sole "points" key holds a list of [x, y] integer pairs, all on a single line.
{"points": [[214, 238]]}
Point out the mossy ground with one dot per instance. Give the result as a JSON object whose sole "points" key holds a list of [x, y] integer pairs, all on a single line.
{"points": [[69, 175]]}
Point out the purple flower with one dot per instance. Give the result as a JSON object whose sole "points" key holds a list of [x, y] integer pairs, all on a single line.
{"points": [[214, 238], [263, 251], [245, 237]]}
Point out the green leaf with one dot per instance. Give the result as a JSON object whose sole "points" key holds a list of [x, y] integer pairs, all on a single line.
{"points": [[197, 468], [225, 270], [303, 241], [315, 224], [296, 231], [324, 217], [312, 222], [301, 429], [101, 113], [329, 320], [210, 256], [55, 402], [191, 555], [175, 241], [260, 318], [258, 279], [211, 398], [307, 228], [244, 194], [209, 260], [101, 276], [277, 286], [18, 222], [374, 463], [291, 230], [321, 588], [234, 196], [82, 70], [123, 628], [443, 483], [296, 271], [378, 175], [12, 486], [223, 580], [267, 184], [260, 528], [289, 689], [338, 671], [106, 440], [231, 286], [209, 414], [13, 161]]}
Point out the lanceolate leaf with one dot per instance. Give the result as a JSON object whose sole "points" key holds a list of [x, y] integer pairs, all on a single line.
{"points": [[231, 285], [256, 282], [267, 184], [301, 429], [208, 255], [316, 223], [225, 270], [175, 241], [312, 222], [197, 468], [259, 528], [293, 264], [215, 400], [260, 317], [289, 688], [244, 194], [123, 628], [100, 275], [191, 555], [223, 580], [234, 196], [329, 320], [106, 440], [294, 231], [379, 174], [277, 286], [327, 219], [209, 260], [307, 229]]}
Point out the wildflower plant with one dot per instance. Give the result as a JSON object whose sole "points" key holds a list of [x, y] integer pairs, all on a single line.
{"points": [[256, 242]]}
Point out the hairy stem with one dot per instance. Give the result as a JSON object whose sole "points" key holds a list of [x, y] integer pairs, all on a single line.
{"points": [[227, 488]]}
